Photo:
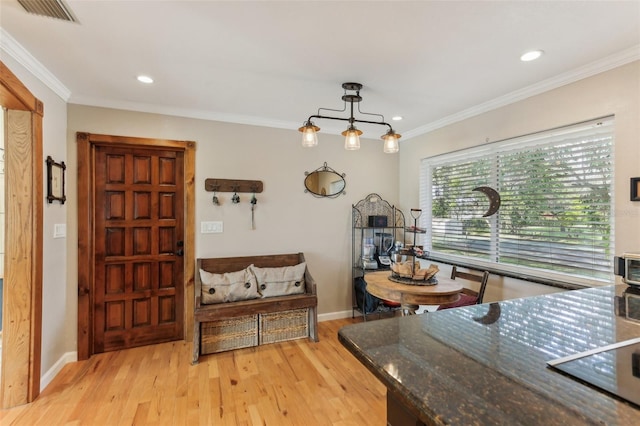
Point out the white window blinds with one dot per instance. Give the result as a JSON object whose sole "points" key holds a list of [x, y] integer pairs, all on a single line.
{"points": [[556, 193]]}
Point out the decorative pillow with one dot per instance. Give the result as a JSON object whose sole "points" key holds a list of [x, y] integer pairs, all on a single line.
{"points": [[280, 281], [228, 287]]}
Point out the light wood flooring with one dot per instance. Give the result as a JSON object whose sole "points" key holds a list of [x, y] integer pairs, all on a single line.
{"points": [[290, 383]]}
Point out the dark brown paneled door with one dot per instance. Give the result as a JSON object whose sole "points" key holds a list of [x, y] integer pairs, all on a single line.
{"points": [[139, 286]]}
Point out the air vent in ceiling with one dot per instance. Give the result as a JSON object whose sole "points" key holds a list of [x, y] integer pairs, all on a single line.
{"points": [[51, 8]]}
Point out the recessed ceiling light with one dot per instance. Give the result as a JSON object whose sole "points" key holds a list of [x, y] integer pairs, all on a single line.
{"points": [[145, 79], [396, 118], [531, 56]]}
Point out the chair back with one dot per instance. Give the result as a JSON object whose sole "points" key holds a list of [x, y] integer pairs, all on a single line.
{"points": [[482, 278]]}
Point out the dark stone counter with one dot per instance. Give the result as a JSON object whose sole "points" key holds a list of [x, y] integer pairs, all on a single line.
{"points": [[486, 364]]}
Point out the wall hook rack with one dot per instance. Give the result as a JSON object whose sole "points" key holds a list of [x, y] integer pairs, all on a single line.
{"points": [[233, 185]]}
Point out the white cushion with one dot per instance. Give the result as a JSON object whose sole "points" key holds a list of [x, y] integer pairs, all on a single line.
{"points": [[228, 287], [280, 281]]}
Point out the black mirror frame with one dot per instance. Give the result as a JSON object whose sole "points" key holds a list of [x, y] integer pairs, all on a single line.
{"points": [[55, 181], [325, 168]]}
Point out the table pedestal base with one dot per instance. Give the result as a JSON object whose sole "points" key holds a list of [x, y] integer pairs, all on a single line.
{"points": [[408, 309]]}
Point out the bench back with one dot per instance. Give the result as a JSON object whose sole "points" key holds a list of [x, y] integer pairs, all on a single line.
{"points": [[220, 265]]}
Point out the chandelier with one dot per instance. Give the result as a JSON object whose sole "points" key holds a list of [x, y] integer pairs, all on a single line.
{"points": [[352, 134]]}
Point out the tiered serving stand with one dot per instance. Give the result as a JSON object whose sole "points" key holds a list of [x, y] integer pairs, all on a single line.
{"points": [[409, 271]]}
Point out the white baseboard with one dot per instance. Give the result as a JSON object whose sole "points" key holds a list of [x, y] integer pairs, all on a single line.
{"points": [[47, 377], [336, 315]]}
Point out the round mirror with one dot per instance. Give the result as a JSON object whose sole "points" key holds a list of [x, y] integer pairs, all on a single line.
{"points": [[325, 182]]}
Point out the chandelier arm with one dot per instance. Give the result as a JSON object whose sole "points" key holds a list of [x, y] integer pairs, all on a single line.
{"points": [[382, 123], [369, 113], [334, 110], [327, 117], [351, 120]]}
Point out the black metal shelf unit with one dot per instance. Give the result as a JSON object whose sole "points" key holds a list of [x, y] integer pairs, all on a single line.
{"points": [[382, 235]]}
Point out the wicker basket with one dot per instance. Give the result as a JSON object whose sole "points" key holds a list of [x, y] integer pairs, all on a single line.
{"points": [[285, 325], [227, 334]]}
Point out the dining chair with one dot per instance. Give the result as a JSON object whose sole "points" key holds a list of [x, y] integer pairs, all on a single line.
{"points": [[468, 296]]}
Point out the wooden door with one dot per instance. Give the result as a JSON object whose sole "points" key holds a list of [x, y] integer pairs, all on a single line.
{"points": [[138, 215]]}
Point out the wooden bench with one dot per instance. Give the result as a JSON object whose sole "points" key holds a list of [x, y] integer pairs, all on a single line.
{"points": [[231, 325]]}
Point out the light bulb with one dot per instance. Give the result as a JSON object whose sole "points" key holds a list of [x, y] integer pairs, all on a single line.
{"points": [[352, 138], [309, 137], [531, 56], [309, 134], [145, 79], [391, 144], [352, 141]]}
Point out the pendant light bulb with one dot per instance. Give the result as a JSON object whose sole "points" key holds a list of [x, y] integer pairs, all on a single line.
{"points": [[309, 134], [352, 138], [391, 144]]}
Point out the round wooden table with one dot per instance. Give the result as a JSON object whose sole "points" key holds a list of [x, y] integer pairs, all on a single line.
{"points": [[410, 296]]}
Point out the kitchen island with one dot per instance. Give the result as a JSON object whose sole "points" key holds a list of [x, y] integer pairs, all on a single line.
{"points": [[487, 364]]}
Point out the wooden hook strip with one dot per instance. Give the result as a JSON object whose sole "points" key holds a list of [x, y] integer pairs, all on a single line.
{"points": [[232, 185]]}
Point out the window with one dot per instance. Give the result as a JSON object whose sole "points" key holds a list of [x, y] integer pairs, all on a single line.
{"points": [[555, 219]]}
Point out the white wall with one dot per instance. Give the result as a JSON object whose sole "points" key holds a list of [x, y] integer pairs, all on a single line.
{"points": [[287, 219], [612, 92], [57, 307]]}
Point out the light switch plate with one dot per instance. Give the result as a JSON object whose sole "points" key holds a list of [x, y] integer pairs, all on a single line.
{"points": [[59, 230], [211, 227]]}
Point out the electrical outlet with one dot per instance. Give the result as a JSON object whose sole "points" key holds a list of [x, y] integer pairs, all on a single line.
{"points": [[211, 227]]}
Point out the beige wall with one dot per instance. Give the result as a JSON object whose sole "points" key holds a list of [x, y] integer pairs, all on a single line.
{"points": [[287, 219], [612, 92]]}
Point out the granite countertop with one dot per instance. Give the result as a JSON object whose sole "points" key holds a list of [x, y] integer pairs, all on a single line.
{"points": [[487, 364]]}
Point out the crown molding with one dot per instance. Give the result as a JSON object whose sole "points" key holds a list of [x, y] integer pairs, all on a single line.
{"points": [[610, 62], [28, 61], [182, 112]]}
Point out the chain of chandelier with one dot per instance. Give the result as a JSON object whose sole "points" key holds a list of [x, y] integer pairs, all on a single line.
{"points": [[352, 135]]}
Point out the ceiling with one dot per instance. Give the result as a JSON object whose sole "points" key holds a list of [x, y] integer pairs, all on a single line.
{"points": [[274, 63]]}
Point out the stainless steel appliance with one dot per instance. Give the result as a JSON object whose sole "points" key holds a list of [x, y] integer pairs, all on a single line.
{"points": [[368, 254], [628, 267]]}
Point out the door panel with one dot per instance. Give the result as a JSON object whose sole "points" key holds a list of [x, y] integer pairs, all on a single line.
{"points": [[139, 284]]}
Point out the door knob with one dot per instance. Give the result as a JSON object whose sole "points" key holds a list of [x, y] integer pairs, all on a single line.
{"points": [[180, 252]]}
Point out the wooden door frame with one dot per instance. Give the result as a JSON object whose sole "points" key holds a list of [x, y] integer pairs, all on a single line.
{"points": [[87, 143], [22, 313]]}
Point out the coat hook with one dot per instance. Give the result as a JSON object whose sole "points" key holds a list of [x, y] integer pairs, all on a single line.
{"points": [[253, 201], [235, 199], [215, 187]]}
